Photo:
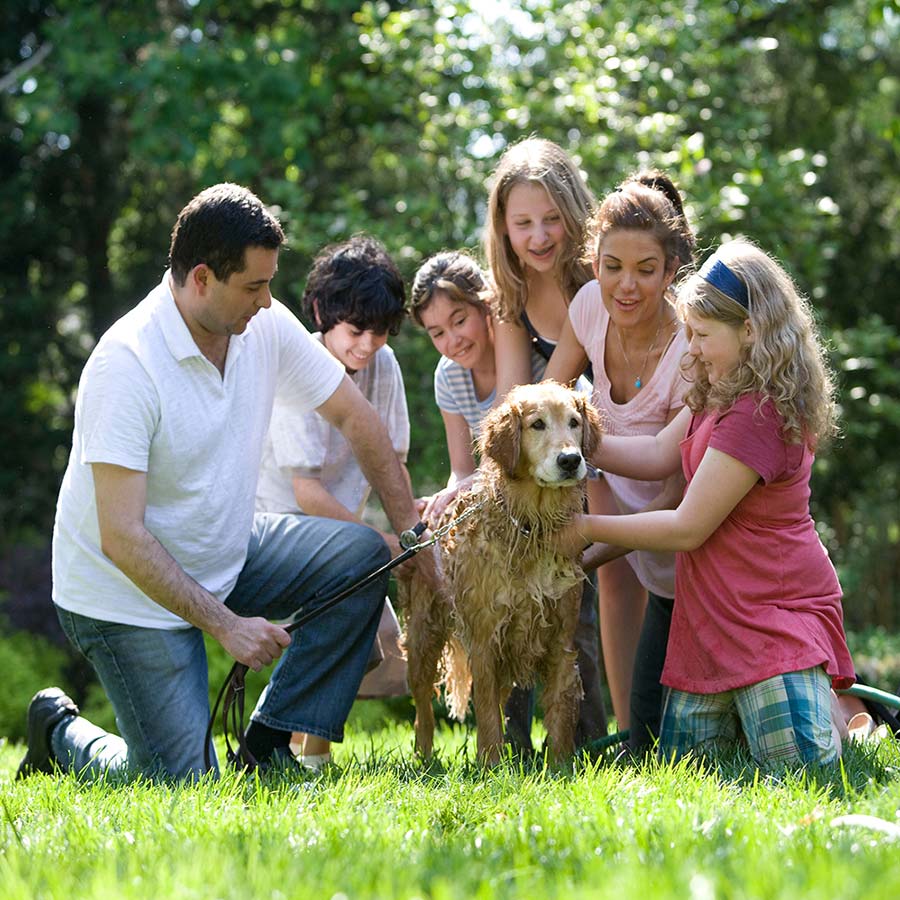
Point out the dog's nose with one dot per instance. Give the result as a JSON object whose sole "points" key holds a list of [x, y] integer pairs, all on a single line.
{"points": [[569, 461]]}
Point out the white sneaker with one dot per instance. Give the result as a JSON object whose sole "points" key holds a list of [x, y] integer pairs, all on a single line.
{"points": [[315, 762]]}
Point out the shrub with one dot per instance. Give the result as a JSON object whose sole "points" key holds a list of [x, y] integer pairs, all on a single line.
{"points": [[876, 654], [28, 663]]}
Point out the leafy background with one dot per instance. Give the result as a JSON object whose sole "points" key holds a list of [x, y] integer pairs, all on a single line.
{"points": [[779, 120]]}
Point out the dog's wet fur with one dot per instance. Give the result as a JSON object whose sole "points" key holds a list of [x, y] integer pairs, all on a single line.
{"points": [[510, 605]]}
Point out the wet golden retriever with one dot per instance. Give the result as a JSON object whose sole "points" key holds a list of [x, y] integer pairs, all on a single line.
{"points": [[511, 601]]}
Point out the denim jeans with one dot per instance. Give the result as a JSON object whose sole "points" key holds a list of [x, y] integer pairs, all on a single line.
{"points": [[157, 679]]}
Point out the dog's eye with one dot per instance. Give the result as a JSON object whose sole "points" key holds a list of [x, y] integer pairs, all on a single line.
{"points": [[538, 425], [574, 423]]}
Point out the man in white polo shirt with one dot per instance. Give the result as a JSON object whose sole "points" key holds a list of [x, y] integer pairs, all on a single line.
{"points": [[156, 540]]}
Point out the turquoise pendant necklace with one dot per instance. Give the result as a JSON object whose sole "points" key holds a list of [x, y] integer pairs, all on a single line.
{"points": [[639, 378]]}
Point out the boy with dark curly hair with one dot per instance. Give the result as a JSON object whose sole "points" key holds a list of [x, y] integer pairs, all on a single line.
{"points": [[355, 296]]}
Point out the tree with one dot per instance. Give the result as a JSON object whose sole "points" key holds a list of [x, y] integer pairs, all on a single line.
{"points": [[778, 119]]}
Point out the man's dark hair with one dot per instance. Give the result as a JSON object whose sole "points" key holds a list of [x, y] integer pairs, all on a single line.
{"points": [[216, 227], [356, 282]]}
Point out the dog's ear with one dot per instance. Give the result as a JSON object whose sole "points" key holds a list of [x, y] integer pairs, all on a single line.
{"points": [[501, 437], [591, 427]]}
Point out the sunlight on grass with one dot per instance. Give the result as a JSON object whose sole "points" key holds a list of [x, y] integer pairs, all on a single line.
{"points": [[382, 824]]}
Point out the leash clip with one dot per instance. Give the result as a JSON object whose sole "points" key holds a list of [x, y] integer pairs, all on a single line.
{"points": [[409, 538]]}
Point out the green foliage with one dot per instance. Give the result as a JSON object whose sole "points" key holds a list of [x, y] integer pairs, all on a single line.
{"points": [[28, 663], [778, 119], [876, 654], [383, 825], [857, 483]]}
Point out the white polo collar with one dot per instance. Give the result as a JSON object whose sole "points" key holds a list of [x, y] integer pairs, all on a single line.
{"points": [[177, 335]]}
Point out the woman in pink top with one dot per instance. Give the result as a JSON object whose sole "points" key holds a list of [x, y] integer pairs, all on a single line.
{"points": [[757, 636], [625, 325]]}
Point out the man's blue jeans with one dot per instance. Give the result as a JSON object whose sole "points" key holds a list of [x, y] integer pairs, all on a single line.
{"points": [[157, 679]]}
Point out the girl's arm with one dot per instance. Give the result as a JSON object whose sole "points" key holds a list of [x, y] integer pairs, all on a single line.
{"points": [[569, 359], [644, 457], [462, 465], [669, 497], [719, 484], [512, 355], [459, 447]]}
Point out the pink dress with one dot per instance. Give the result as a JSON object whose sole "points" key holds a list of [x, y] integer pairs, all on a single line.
{"points": [[646, 413], [760, 597]]}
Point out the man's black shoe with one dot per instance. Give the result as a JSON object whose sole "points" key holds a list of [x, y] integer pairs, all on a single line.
{"points": [[47, 708]]}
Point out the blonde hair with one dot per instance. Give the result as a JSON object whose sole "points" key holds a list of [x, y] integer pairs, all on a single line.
{"points": [[456, 274], [645, 201], [785, 363], [542, 162]]}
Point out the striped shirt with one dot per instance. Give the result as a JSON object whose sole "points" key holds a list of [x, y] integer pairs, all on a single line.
{"points": [[454, 390]]}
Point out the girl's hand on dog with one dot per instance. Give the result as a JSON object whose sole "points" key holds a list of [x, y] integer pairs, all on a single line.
{"points": [[571, 541], [435, 506]]}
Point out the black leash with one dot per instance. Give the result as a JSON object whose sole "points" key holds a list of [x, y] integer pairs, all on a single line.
{"points": [[231, 695]]}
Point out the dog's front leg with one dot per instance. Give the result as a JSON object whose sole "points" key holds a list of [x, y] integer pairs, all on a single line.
{"points": [[562, 685], [488, 710]]}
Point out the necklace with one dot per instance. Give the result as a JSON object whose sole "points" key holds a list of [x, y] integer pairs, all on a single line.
{"points": [[638, 381]]}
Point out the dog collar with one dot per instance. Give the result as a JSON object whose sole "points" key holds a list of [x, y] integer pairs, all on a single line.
{"points": [[523, 527]]}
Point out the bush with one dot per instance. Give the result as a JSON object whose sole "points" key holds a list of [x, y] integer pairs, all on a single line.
{"points": [[876, 653], [28, 663], [856, 488]]}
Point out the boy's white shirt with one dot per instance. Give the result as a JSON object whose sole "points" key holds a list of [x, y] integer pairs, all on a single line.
{"points": [[307, 446]]}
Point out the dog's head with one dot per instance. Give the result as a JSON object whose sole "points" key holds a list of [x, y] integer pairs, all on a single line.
{"points": [[542, 431]]}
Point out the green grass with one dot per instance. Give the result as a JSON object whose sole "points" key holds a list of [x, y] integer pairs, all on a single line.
{"points": [[382, 825]]}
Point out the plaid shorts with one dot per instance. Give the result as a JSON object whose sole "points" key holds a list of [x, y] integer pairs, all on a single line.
{"points": [[783, 719]]}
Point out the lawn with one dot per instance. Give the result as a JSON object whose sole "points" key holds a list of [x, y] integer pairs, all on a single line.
{"points": [[381, 825]]}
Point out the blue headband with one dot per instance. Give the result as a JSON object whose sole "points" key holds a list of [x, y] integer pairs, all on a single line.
{"points": [[722, 278]]}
